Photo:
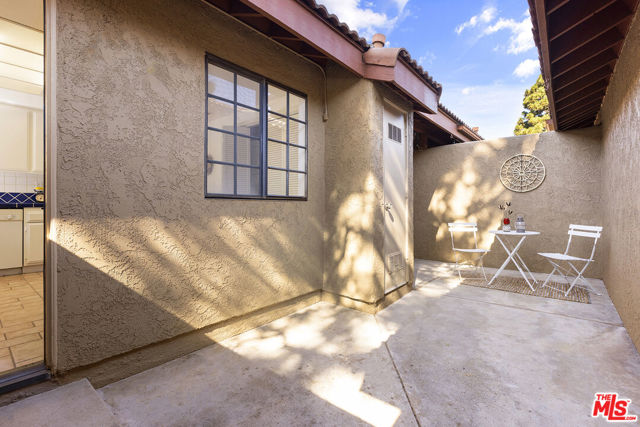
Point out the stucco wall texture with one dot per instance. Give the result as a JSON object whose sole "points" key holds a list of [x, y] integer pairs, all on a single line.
{"points": [[461, 182], [620, 116], [353, 158], [142, 255], [354, 250]]}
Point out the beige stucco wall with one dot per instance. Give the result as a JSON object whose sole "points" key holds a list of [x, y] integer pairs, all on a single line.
{"points": [[354, 260], [142, 255], [620, 116], [461, 182], [353, 159]]}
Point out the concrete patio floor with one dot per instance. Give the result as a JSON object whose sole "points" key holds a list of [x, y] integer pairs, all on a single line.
{"points": [[443, 355]]}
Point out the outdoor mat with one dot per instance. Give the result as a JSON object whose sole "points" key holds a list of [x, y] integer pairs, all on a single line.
{"points": [[519, 286]]}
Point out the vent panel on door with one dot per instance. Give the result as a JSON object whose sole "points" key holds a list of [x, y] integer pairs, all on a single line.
{"points": [[395, 133], [395, 262]]}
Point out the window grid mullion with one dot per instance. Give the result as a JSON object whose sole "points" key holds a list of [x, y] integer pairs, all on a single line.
{"points": [[288, 139], [235, 134], [264, 104]]}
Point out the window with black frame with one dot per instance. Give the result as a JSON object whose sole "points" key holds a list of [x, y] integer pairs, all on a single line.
{"points": [[287, 143], [244, 157]]}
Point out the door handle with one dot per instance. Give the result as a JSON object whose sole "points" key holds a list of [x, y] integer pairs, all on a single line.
{"points": [[387, 206]]}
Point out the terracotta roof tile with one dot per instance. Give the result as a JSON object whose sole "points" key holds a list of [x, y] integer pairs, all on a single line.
{"points": [[333, 20], [457, 119]]}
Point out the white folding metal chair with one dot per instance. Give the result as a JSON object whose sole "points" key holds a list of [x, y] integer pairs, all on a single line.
{"points": [[588, 231], [467, 227]]}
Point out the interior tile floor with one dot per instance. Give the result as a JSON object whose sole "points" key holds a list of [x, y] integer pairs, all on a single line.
{"points": [[21, 320], [445, 354]]}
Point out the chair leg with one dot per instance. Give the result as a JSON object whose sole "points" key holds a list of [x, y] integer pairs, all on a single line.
{"points": [[458, 267], [582, 279], [549, 277], [573, 283], [483, 272]]}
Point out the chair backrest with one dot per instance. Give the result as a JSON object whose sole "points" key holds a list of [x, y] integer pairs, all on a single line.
{"points": [[463, 227], [588, 231]]}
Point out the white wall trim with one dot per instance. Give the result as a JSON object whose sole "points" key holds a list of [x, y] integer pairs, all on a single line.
{"points": [[51, 285]]}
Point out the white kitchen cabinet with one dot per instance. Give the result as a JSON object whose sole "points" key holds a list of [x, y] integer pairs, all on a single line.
{"points": [[11, 232], [33, 236], [14, 138], [36, 141], [21, 139]]}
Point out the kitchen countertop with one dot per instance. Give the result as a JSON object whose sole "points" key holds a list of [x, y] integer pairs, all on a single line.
{"points": [[12, 200], [21, 205]]}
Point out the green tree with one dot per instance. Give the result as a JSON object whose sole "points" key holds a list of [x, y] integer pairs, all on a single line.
{"points": [[536, 110]]}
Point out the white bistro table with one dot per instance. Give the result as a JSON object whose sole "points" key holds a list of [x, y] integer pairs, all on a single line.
{"points": [[512, 252]]}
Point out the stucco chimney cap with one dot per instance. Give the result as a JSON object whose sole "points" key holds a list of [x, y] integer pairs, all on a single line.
{"points": [[378, 40]]}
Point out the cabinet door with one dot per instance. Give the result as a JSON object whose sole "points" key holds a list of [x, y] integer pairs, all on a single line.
{"points": [[36, 141], [11, 246], [33, 243], [14, 138]]}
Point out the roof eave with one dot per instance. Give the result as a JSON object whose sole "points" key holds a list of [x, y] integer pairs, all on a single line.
{"points": [[311, 23]]}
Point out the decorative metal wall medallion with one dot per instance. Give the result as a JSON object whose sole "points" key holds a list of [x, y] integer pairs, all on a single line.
{"points": [[522, 173]]}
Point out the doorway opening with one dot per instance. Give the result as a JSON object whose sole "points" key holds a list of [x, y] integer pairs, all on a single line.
{"points": [[22, 172]]}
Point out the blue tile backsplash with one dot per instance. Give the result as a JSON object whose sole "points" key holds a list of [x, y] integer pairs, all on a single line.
{"points": [[19, 200]]}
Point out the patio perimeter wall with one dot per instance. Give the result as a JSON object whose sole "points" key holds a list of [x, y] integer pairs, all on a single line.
{"points": [[620, 116], [461, 182]]}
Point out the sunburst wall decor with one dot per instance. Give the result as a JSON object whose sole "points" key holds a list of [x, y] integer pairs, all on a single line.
{"points": [[522, 173]]}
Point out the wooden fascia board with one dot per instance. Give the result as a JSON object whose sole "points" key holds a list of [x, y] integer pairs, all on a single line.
{"points": [[541, 17], [302, 22], [416, 88], [405, 80], [445, 123]]}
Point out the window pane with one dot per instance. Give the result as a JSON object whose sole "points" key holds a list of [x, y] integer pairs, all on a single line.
{"points": [[297, 159], [248, 151], [297, 107], [220, 82], [277, 128], [276, 183], [277, 100], [277, 155], [297, 184], [219, 179], [220, 146], [248, 181], [248, 122], [297, 133], [220, 115], [248, 92]]}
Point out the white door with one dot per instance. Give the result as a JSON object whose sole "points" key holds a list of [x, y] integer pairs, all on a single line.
{"points": [[395, 198]]}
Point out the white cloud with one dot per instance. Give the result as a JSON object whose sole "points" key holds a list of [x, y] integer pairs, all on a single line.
{"points": [[484, 17], [520, 37], [427, 59], [363, 18], [495, 108], [527, 68]]}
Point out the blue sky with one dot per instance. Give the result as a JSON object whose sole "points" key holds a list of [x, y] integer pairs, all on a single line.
{"points": [[481, 52]]}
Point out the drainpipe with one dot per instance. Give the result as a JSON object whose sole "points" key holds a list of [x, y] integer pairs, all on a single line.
{"points": [[325, 110]]}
